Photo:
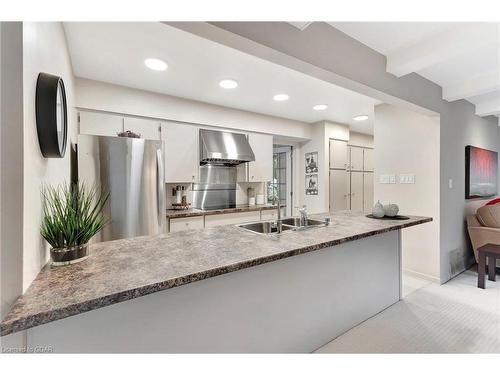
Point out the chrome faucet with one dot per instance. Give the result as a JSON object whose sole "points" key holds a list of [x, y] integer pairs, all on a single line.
{"points": [[303, 215], [277, 201]]}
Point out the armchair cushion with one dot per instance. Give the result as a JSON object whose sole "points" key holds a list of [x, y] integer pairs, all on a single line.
{"points": [[489, 215]]}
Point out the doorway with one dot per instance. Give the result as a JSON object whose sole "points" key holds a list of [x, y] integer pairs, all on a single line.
{"points": [[282, 178]]}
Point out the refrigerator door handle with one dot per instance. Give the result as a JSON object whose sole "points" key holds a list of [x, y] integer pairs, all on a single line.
{"points": [[160, 194]]}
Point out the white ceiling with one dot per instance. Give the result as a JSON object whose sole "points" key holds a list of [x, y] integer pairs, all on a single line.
{"points": [[463, 58], [114, 53]]}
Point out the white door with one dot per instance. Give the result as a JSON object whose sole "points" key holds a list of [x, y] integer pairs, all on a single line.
{"points": [[368, 191], [356, 159], [357, 191], [96, 123], [338, 154], [261, 170], [368, 160], [148, 129], [181, 152], [339, 190]]}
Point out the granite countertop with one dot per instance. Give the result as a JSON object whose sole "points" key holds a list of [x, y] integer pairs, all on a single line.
{"points": [[121, 270], [239, 208]]}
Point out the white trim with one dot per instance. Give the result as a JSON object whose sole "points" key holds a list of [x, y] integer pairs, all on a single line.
{"points": [[420, 275]]}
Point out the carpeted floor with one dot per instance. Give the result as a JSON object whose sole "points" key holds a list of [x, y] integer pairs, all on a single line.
{"points": [[456, 317]]}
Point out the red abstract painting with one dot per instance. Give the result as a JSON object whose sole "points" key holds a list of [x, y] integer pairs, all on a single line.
{"points": [[481, 172]]}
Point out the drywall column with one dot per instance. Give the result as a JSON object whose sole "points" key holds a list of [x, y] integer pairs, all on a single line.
{"points": [[44, 50], [11, 159], [408, 142]]}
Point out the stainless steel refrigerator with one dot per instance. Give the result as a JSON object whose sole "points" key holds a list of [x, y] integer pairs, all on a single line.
{"points": [[131, 170]]}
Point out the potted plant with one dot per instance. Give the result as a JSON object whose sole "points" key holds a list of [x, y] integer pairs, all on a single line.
{"points": [[72, 215]]}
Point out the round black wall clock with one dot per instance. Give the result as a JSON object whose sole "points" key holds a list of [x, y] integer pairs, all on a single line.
{"points": [[51, 115]]}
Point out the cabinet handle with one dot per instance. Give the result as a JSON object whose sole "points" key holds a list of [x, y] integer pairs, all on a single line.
{"points": [[192, 177]]}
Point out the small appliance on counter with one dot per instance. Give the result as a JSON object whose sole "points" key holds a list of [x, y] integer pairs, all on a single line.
{"points": [[181, 203]]}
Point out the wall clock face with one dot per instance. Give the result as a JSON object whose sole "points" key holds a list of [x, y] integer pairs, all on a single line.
{"points": [[51, 115]]}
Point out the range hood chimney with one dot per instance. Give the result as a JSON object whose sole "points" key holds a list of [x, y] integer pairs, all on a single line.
{"points": [[218, 147]]}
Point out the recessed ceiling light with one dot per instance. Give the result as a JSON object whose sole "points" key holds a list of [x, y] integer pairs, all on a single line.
{"points": [[280, 97], [156, 64], [320, 107], [228, 84], [361, 118]]}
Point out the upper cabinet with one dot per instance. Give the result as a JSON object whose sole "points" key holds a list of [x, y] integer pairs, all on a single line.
{"points": [[261, 170], [96, 123], [181, 152], [148, 129], [356, 158], [368, 160], [338, 154]]}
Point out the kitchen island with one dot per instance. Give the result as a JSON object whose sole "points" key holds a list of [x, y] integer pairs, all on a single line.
{"points": [[221, 289]]}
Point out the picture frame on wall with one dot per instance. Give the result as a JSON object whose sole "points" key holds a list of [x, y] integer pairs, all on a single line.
{"points": [[481, 173], [311, 184], [311, 162]]}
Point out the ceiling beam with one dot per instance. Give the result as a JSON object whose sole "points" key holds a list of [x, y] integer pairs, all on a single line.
{"points": [[479, 85], [488, 107], [435, 49]]}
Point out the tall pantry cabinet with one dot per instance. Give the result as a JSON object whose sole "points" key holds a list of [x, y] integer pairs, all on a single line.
{"points": [[351, 177]]}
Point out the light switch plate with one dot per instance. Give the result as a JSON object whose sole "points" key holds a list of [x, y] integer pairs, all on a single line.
{"points": [[387, 179], [407, 178]]}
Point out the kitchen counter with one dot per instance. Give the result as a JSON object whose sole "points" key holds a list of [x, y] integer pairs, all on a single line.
{"points": [[122, 270], [191, 212]]}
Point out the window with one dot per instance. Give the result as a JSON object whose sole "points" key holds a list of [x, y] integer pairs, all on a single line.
{"points": [[279, 179]]}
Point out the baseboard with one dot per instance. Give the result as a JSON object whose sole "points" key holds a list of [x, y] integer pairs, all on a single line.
{"points": [[421, 275]]}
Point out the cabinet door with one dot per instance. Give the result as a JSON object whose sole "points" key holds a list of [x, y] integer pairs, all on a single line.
{"points": [[368, 160], [339, 190], [186, 223], [95, 123], [356, 159], [357, 191], [338, 154], [181, 152], [261, 170], [148, 129], [368, 192]]}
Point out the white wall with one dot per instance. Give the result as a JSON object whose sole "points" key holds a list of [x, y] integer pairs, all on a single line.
{"points": [[408, 142], [44, 50], [119, 99], [11, 180]]}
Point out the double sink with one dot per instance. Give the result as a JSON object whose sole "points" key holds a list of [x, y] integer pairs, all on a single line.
{"points": [[271, 227]]}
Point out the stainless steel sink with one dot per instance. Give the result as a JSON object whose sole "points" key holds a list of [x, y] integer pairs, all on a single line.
{"points": [[264, 227], [270, 227], [295, 222]]}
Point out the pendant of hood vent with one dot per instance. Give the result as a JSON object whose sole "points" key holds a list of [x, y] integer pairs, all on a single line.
{"points": [[226, 148]]}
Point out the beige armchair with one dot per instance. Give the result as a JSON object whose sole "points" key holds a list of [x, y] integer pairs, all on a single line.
{"points": [[484, 227]]}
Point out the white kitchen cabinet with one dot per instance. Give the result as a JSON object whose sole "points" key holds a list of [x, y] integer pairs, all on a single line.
{"points": [[232, 218], [185, 223], [338, 154], [148, 129], [368, 191], [181, 152], [368, 160], [97, 123], [261, 170], [357, 191], [355, 158], [339, 190]]}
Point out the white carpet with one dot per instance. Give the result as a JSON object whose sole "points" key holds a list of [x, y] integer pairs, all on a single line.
{"points": [[456, 317]]}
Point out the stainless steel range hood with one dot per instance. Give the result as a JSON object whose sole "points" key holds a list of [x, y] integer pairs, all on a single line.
{"points": [[218, 147]]}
